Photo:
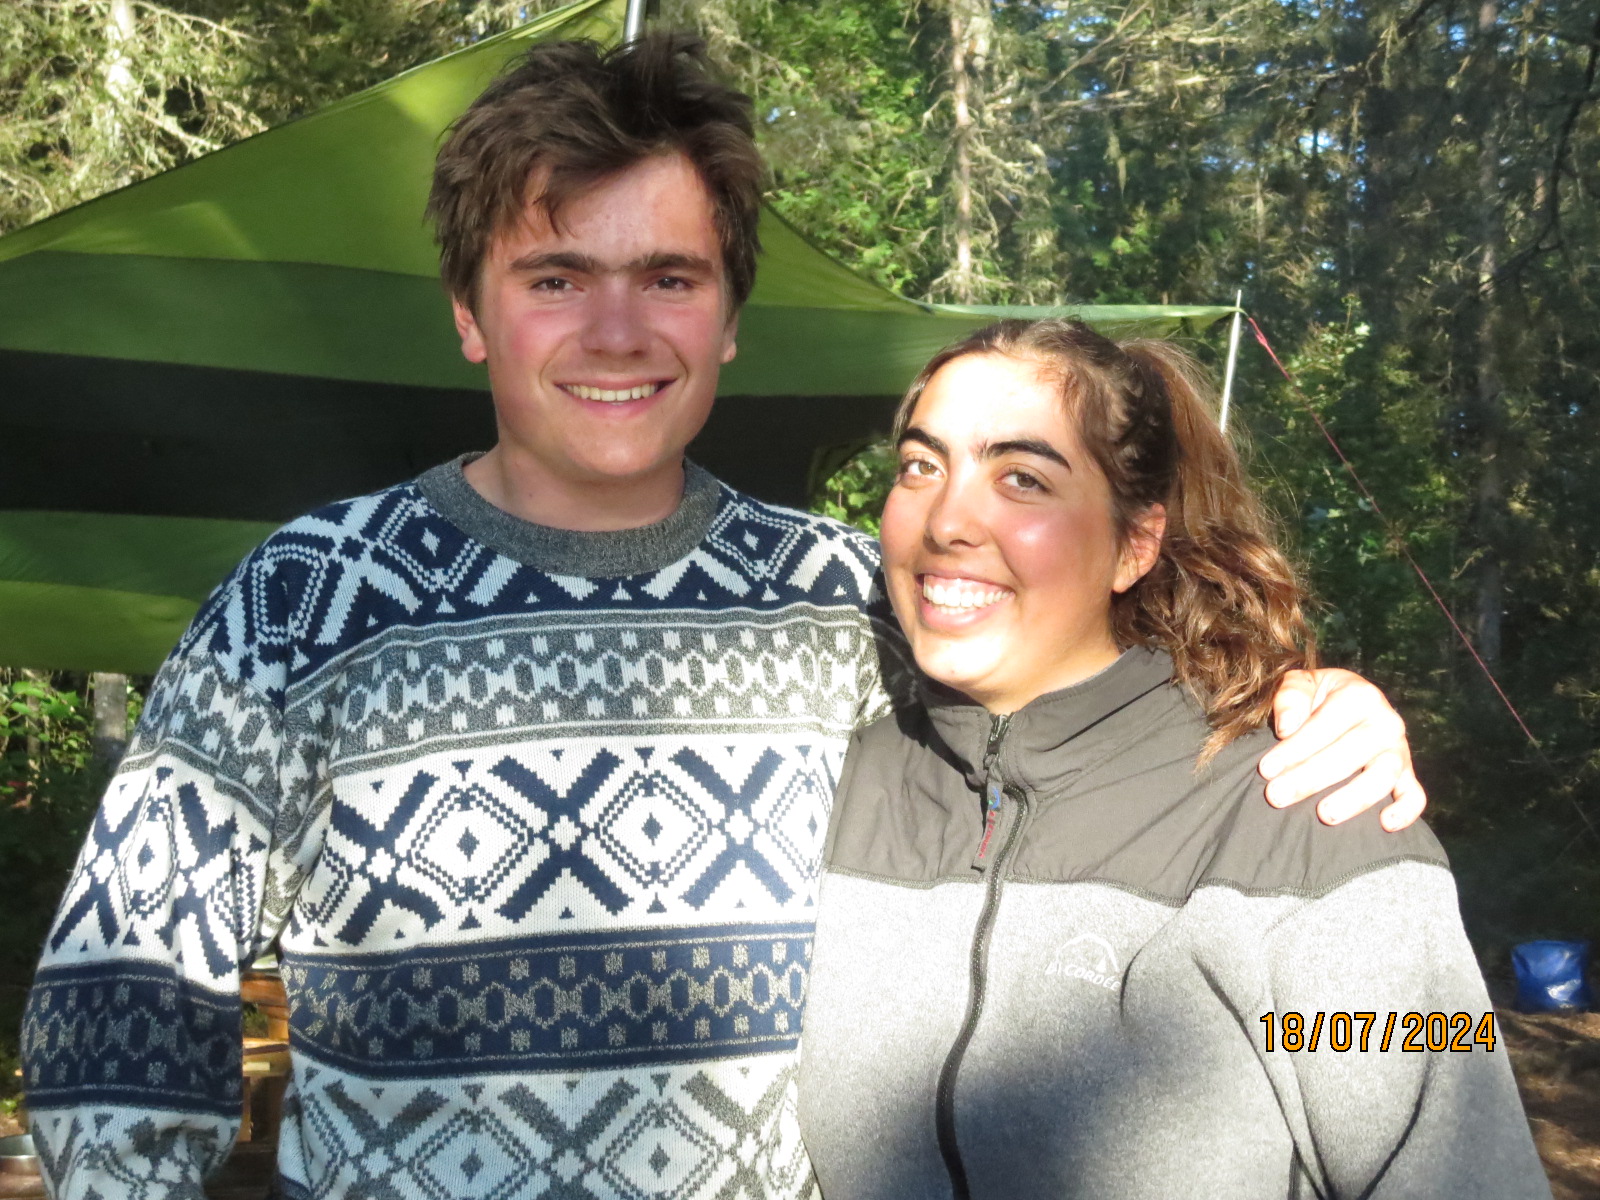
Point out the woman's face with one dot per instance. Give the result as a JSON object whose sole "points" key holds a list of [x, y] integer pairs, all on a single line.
{"points": [[999, 544]]}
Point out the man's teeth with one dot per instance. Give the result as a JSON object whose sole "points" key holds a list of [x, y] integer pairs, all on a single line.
{"points": [[607, 396], [960, 595]]}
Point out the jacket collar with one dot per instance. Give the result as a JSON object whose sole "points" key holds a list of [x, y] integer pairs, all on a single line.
{"points": [[1046, 739]]}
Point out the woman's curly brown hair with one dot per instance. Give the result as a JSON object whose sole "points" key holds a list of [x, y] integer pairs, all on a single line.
{"points": [[1222, 598]]}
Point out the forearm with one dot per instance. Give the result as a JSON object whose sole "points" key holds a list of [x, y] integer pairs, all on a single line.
{"points": [[132, 1076], [131, 1034]]}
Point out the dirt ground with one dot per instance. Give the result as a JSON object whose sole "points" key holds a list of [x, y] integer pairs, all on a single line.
{"points": [[1556, 1059]]}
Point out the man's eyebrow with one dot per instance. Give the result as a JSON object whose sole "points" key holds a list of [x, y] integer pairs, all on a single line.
{"points": [[587, 264], [922, 436], [558, 260], [1025, 445], [667, 260]]}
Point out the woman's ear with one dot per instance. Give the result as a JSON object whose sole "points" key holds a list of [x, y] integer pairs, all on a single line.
{"points": [[1141, 547]]}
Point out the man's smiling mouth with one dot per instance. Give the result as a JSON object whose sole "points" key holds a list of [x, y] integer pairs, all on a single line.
{"points": [[613, 396]]}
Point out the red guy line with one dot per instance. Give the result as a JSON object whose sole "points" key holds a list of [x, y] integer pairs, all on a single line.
{"points": [[1398, 541]]}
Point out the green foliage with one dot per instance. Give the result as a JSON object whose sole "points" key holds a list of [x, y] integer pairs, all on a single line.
{"points": [[57, 721], [50, 785], [856, 491], [98, 93], [12, 999]]}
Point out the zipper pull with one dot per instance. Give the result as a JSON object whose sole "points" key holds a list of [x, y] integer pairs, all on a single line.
{"points": [[993, 792], [991, 826]]}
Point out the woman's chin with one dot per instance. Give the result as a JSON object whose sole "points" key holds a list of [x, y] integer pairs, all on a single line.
{"points": [[964, 673]]}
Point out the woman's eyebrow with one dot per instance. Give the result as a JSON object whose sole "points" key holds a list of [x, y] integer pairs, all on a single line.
{"points": [[1026, 445], [922, 436]]}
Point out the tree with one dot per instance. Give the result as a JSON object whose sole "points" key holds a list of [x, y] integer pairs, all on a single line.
{"points": [[98, 93]]}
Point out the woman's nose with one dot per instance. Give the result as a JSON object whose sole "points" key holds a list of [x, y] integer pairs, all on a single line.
{"points": [[955, 516]]}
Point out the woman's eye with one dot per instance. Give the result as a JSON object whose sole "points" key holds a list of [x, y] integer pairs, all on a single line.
{"points": [[1024, 481], [917, 468]]}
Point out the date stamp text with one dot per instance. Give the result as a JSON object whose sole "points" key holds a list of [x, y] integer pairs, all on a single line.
{"points": [[1409, 1033]]}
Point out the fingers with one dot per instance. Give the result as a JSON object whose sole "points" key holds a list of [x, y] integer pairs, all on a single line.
{"points": [[1293, 702], [1338, 727], [1345, 758], [1409, 801], [1345, 705], [1371, 786]]}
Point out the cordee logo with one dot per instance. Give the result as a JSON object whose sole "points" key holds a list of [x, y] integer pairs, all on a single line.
{"points": [[1088, 957]]}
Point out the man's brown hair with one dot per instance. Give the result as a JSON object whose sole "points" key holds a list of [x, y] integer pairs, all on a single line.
{"points": [[581, 114]]}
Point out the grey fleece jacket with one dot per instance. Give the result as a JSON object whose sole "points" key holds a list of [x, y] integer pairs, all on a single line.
{"points": [[1046, 943]]}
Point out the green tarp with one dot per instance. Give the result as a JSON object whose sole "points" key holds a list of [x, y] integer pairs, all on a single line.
{"points": [[188, 361]]}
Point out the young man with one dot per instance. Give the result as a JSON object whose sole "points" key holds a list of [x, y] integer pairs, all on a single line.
{"points": [[523, 765]]}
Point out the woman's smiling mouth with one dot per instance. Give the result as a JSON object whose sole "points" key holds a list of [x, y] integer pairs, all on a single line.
{"points": [[953, 595]]}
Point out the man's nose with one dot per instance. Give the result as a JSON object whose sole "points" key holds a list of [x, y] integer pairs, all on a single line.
{"points": [[616, 324]]}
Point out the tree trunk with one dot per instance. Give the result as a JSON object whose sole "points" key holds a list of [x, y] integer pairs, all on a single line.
{"points": [[962, 283], [121, 88], [34, 745], [1489, 393], [110, 717], [971, 31]]}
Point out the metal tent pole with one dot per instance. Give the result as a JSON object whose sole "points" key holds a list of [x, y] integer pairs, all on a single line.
{"points": [[633, 23], [1233, 357]]}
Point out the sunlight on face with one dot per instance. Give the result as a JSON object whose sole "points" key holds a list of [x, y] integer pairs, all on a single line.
{"points": [[604, 337], [999, 541]]}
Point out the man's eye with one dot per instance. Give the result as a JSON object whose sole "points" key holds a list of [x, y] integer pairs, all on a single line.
{"points": [[553, 284], [673, 283]]}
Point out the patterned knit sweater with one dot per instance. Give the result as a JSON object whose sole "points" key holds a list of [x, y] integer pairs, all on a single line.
{"points": [[535, 820]]}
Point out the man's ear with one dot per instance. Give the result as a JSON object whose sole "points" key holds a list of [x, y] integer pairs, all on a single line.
{"points": [[1142, 547], [473, 348], [730, 337]]}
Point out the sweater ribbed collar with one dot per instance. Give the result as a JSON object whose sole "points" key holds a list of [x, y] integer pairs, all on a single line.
{"points": [[1049, 737], [607, 554]]}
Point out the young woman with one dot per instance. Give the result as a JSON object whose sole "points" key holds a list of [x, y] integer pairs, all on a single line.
{"points": [[1064, 948]]}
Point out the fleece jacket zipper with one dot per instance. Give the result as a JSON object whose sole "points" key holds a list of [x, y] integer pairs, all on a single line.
{"points": [[993, 860]]}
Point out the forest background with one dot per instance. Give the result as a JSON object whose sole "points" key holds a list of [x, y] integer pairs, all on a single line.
{"points": [[1407, 191]]}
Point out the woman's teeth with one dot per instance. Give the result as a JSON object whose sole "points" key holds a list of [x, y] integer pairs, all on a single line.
{"points": [[960, 595], [607, 396]]}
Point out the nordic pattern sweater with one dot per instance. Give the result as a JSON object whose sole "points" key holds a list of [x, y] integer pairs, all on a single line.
{"points": [[1045, 950], [535, 820]]}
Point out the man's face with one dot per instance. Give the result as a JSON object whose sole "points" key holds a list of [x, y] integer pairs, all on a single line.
{"points": [[604, 339]]}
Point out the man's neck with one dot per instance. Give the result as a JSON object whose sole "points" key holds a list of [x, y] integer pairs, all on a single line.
{"points": [[521, 486]]}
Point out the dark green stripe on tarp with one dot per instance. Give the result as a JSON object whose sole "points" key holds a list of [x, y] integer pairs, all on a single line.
{"points": [[161, 439], [158, 439]]}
